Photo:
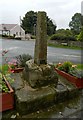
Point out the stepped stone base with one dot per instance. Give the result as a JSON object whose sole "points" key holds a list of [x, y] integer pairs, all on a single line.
{"points": [[38, 76], [29, 100], [32, 100]]}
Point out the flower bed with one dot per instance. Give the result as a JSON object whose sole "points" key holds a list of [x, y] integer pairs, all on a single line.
{"points": [[7, 97], [13, 66], [71, 73], [76, 81]]}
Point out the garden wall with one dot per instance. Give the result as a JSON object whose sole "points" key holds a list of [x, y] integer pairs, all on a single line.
{"points": [[67, 43]]}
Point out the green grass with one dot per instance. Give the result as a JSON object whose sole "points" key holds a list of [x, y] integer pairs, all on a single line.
{"points": [[4, 68], [80, 66], [62, 46]]}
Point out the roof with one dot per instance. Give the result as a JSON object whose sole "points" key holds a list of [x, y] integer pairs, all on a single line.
{"points": [[7, 26]]}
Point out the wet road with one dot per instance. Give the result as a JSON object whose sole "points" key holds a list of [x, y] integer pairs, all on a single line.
{"points": [[55, 55]]}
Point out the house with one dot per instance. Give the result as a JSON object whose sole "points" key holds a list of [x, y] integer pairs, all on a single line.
{"points": [[12, 30]]}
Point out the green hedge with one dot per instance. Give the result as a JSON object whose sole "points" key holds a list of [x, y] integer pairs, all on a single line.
{"points": [[61, 37]]}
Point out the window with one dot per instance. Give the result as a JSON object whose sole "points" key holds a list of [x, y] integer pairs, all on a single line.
{"points": [[16, 33]]}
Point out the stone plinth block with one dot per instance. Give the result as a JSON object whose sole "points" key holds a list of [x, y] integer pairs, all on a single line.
{"points": [[38, 76], [29, 100]]}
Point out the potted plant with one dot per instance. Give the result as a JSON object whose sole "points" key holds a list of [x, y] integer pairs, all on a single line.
{"points": [[71, 73], [13, 66], [6, 92], [17, 65], [21, 59]]}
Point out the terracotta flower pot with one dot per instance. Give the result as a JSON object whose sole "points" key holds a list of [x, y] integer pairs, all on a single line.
{"points": [[7, 98], [15, 70], [76, 81]]}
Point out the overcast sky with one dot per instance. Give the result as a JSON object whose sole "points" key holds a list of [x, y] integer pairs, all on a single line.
{"points": [[60, 11]]}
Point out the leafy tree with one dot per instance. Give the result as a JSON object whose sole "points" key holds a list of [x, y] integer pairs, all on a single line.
{"points": [[80, 36], [29, 23], [64, 32], [51, 28], [76, 23]]}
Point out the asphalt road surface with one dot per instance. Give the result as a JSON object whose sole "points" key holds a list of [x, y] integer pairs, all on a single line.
{"points": [[54, 55]]}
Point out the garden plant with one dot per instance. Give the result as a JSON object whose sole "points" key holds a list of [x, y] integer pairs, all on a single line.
{"points": [[71, 69]]}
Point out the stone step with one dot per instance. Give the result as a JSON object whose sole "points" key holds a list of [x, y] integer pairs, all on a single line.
{"points": [[29, 100]]}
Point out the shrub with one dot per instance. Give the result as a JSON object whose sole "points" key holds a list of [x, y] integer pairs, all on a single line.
{"points": [[4, 72], [80, 36], [4, 35], [71, 69], [66, 66], [4, 68], [21, 59], [3, 86], [33, 37], [75, 72], [8, 36], [55, 37], [62, 37]]}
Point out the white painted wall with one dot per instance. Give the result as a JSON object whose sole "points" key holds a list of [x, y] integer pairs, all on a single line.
{"points": [[16, 30]]}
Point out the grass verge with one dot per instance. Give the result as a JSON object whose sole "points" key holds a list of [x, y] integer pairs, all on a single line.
{"points": [[62, 46]]}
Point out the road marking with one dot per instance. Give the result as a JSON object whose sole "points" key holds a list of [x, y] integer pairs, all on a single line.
{"points": [[54, 54], [11, 48], [72, 55]]}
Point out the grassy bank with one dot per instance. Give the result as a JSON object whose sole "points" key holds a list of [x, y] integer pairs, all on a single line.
{"points": [[62, 46]]}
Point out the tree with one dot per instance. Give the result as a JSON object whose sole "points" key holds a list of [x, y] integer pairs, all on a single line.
{"points": [[51, 28], [64, 32], [80, 36], [29, 23], [76, 23]]}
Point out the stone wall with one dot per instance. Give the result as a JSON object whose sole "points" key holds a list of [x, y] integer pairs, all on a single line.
{"points": [[68, 43]]}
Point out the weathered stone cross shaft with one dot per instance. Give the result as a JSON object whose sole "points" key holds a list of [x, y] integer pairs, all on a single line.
{"points": [[40, 55], [37, 72]]}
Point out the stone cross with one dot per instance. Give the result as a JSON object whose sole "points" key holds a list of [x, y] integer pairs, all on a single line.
{"points": [[40, 55]]}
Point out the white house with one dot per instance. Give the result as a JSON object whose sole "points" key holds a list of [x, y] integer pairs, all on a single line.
{"points": [[12, 30]]}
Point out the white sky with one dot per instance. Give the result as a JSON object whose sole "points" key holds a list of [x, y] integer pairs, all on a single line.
{"points": [[61, 11]]}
